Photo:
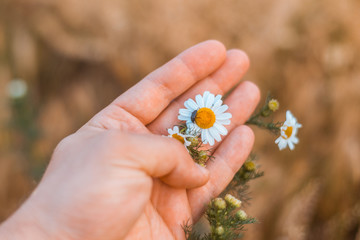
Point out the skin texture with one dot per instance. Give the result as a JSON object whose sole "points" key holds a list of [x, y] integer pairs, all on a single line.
{"points": [[118, 178]]}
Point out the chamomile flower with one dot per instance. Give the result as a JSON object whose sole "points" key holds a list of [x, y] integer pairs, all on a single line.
{"points": [[206, 116], [175, 133], [288, 132], [273, 105]]}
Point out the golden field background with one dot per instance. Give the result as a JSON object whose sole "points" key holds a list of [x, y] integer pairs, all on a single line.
{"points": [[76, 56]]}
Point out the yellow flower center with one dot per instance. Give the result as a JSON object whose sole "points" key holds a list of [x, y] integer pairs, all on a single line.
{"points": [[178, 137], [205, 118], [288, 132]]}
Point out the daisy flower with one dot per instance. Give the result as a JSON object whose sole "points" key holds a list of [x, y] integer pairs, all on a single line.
{"points": [[175, 133], [288, 132], [206, 116]]}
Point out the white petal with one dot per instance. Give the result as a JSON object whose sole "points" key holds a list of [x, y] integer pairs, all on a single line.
{"points": [[170, 131], [176, 129], [295, 140], [209, 138], [193, 126], [191, 105], [223, 116], [199, 101], [217, 101], [291, 145], [187, 143], [209, 100], [286, 123], [282, 145], [205, 96], [217, 98], [222, 130], [185, 112], [289, 116], [221, 109], [223, 122], [189, 125], [190, 128], [215, 134], [183, 118], [298, 125], [203, 135], [292, 122]]}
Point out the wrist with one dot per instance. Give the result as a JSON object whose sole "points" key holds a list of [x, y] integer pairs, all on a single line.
{"points": [[22, 225], [29, 222]]}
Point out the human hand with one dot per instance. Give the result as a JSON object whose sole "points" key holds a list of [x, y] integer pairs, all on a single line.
{"points": [[116, 178]]}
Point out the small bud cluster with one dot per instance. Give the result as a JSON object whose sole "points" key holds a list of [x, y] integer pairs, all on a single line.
{"points": [[196, 149], [233, 201], [219, 203], [226, 219], [248, 171]]}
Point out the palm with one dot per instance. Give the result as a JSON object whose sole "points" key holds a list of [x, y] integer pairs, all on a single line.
{"points": [[152, 106], [164, 214]]}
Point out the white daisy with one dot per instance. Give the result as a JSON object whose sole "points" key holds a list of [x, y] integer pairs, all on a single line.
{"points": [[206, 116], [175, 133], [288, 132]]}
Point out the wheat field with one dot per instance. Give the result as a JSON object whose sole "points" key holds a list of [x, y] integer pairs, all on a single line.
{"points": [[76, 56]]}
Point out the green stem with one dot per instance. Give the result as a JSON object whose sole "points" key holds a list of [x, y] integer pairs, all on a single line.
{"points": [[275, 127]]}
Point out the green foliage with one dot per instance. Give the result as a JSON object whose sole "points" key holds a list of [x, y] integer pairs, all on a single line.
{"points": [[239, 184], [223, 218], [191, 234], [23, 125]]}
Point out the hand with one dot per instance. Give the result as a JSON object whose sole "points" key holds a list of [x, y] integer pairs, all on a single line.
{"points": [[117, 178]]}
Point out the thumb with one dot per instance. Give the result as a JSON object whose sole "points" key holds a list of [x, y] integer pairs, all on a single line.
{"points": [[161, 157]]}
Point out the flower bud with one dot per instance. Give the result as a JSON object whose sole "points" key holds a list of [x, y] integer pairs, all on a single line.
{"points": [[201, 164], [194, 141], [203, 155], [266, 112], [219, 203], [250, 166], [233, 201], [241, 214], [273, 105], [219, 230], [246, 175]]}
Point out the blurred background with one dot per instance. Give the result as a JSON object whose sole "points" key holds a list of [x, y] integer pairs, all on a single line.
{"points": [[61, 61]]}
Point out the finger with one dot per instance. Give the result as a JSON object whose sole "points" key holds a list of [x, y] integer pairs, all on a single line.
{"points": [[242, 103], [158, 156], [147, 99], [229, 157], [221, 81]]}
